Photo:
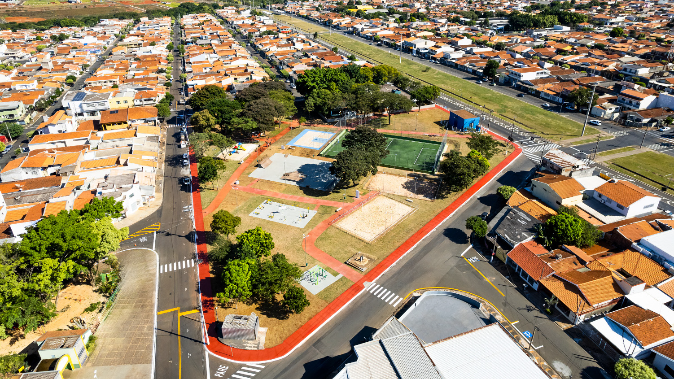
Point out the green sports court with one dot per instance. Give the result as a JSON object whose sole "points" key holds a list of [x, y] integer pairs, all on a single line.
{"points": [[404, 153]]}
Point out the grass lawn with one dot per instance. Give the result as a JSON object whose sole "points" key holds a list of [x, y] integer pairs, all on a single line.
{"points": [[404, 153], [590, 140], [427, 121], [656, 167], [616, 151], [543, 122]]}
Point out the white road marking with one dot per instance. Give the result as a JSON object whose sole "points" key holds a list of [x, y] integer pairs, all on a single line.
{"points": [[255, 365], [250, 368], [379, 290], [374, 287], [394, 299], [381, 296], [245, 373], [398, 302]]}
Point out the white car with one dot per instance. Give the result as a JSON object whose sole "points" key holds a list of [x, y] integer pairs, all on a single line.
{"points": [[664, 129], [595, 122], [183, 144], [546, 105]]}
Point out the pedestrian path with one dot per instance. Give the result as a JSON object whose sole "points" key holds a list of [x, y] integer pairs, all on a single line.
{"points": [[248, 371], [147, 230], [386, 295], [535, 151], [175, 266], [301, 199]]}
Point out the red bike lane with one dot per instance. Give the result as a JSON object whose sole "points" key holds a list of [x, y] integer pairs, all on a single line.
{"points": [[327, 313]]}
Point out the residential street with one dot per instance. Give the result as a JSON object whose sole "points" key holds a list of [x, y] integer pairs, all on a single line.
{"points": [[23, 138], [625, 136]]}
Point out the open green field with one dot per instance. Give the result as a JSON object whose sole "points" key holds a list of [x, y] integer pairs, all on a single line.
{"points": [[655, 167], [535, 119], [404, 153], [616, 151], [591, 140]]}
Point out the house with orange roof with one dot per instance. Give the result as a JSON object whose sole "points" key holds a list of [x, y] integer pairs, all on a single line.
{"points": [[583, 292], [557, 190], [525, 259], [626, 198], [50, 141], [634, 331], [59, 122]]}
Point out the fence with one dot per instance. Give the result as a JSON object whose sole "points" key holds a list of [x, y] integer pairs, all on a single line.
{"points": [[438, 155], [603, 345], [371, 195]]}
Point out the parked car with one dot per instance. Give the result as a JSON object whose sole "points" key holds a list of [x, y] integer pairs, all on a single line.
{"points": [[664, 129], [186, 162], [546, 105], [183, 144], [186, 180], [293, 86], [186, 156], [8, 148], [479, 82], [493, 84], [520, 95], [595, 122]]}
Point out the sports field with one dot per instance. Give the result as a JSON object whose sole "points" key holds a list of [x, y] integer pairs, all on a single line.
{"points": [[404, 153]]}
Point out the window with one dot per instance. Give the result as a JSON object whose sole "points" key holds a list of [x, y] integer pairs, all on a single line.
{"points": [[669, 370], [620, 206], [118, 102], [649, 206]]}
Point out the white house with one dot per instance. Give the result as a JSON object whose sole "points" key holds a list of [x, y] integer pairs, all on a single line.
{"points": [[631, 99], [626, 198], [634, 331], [664, 359], [527, 73], [557, 190]]}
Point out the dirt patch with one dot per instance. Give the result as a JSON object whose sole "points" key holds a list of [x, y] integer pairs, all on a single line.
{"points": [[414, 187], [73, 300], [373, 219]]}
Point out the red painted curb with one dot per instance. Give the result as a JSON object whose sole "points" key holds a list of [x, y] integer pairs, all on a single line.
{"points": [[311, 326]]}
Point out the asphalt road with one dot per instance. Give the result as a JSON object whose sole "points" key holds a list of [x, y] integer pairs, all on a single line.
{"points": [[625, 136], [436, 262]]}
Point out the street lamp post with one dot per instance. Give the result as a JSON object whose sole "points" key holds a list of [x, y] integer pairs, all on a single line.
{"points": [[589, 107]]}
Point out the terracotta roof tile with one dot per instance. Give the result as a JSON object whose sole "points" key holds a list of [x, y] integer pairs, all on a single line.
{"points": [[537, 210], [95, 163], [119, 135], [44, 138], [638, 230], [54, 208], [647, 326], [623, 192], [564, 186], [520, 197], [667, 350], [30, 184], [636, 264], [11, 165], [65, 191], [83, 199], [526, 255]]}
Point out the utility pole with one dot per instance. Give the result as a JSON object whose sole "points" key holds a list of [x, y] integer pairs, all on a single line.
{"points": [[400, 55], [644, 137], [589, 107]]}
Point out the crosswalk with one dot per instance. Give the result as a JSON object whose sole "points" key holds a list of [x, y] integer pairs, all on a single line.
{"points": [[147, 230], [536, 151], [382, 293], [175, 266], [248, 371]]}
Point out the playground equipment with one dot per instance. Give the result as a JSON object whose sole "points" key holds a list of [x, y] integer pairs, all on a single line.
{"points": [[236, 148]]}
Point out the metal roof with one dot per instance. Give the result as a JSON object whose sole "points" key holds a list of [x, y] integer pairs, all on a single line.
{"points": [[485, 353], [409, 358]]}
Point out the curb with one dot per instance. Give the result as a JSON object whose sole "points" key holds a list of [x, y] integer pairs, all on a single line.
{"points": [[308, 329]]}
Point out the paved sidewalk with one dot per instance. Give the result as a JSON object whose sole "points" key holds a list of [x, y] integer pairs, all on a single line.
{"points": [[125, 342], [301, 199], [336, 305], [228, 185]]}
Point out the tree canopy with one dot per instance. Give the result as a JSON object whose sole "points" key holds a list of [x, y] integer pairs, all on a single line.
{"points": [[630, 368], [484, 143], [477, 225], [225, 222], [259, 241], [506, 191], [204, 95], [364, 149]]}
